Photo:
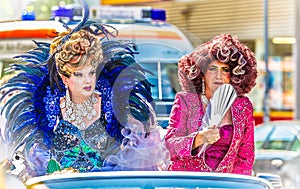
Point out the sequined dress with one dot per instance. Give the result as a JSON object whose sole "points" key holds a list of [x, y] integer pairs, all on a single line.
{"points": [[83, 150], [216, 152], [93, 149]]}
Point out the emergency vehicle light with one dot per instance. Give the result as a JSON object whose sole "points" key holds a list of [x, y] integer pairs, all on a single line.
{"points": [[127, 13], [158, 14], [28, 15], [58, 11]]}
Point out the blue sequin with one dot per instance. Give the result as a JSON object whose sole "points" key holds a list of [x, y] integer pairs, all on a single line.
{"points": [[52, 108], [83, 150]]}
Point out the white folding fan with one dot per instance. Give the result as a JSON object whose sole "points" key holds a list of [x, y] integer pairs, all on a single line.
{"points": [[219, 104], [221, 101]]}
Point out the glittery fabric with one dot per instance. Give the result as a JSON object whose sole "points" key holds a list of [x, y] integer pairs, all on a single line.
{"points": [[52, 108], [185, 121], [83, 150], [93, 149], [216, 152]]}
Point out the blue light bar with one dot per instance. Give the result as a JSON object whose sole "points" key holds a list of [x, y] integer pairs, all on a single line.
{"points": [[62, 12], [158, 14], [28, 15], [133, 13]]}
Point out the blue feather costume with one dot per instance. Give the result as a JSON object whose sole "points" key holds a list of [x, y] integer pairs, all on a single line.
{"points": [[125, 137]]}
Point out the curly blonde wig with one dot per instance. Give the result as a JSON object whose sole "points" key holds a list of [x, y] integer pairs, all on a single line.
{"points": [[82, 47], [226, 49]]}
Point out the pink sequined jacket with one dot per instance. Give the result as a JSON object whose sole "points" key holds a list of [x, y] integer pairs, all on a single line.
{"points": [[185, 120]]}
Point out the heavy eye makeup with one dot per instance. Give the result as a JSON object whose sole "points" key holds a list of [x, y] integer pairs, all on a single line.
{"points": [[79, 74], [93, 72], [215, 69], [226, 69]]}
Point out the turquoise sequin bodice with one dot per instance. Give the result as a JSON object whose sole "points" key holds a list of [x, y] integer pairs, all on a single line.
{"points": [[84, 150]]}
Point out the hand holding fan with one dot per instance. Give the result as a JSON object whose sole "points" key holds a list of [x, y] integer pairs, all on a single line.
{"points": [[219, 104]]}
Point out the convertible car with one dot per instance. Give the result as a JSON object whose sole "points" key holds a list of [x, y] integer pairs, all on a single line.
{"points": [[152, 180]]}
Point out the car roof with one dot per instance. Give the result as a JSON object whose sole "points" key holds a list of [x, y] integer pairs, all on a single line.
{"points": [[149, 36], [30, 29]]}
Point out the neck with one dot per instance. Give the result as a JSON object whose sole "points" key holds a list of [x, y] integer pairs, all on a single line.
{"points": [[208, 95], [78, 99]]}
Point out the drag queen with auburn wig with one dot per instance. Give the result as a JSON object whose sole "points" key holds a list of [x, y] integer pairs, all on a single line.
{"points": [[222, 60]]}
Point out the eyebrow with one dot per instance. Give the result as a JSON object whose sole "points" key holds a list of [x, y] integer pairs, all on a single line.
{"points": [[92, 70], [221, 66]]}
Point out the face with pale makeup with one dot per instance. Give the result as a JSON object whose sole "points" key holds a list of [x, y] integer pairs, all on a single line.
{"points": [[81, 83], [217, 73]]}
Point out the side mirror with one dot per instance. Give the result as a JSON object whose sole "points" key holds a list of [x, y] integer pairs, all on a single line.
{"points": [[277, 163]]}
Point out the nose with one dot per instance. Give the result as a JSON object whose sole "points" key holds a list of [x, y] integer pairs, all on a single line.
{"points": [[219, 74], [88, 79]]}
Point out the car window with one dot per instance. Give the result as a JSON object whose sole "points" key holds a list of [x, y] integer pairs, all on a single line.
{"points": [[296, 145], [276, 138], [170, 84], [261, 135], [281, 133], [161, 60], [158, 51], [164, 79], [281, 139], [152, 78]]}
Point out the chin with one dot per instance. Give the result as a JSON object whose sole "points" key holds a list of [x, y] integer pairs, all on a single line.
{"points": [[87, 93]]}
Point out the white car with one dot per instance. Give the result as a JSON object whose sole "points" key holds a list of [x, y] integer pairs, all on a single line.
{"points": [[159, 43], [278, 151]]}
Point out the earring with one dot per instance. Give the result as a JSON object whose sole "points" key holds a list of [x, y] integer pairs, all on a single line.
{"points": [[203, 97], [203, 87]]}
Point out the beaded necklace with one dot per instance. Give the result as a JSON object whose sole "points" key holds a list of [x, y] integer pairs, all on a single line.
{"points": [[76, 113]]}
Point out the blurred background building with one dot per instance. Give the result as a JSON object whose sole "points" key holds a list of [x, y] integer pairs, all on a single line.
{"points": [[244, 19]]}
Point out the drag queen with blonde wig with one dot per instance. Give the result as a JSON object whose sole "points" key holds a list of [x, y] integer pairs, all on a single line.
{"points": [[83, 105], [218, 62]]}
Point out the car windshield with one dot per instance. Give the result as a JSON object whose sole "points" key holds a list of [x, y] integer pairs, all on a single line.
{"points": [[276, 138], [161, 60]]}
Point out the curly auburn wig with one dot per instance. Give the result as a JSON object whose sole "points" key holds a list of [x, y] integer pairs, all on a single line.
{"points": [[226, 49], [82, 47]]}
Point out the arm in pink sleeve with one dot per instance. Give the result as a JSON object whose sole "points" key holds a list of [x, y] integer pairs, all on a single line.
{"points": [[180, 135], [245, 157]]}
